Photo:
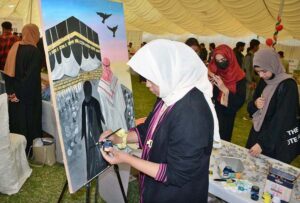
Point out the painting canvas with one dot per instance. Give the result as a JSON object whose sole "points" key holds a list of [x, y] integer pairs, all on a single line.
{"points": [[85, 44]]}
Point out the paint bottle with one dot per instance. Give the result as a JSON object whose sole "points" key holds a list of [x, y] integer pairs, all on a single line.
{"points": [[267, 197], [254, 193], [106, 145]]}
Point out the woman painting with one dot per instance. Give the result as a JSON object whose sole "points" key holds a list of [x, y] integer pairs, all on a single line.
{"points": [[177, 136]]}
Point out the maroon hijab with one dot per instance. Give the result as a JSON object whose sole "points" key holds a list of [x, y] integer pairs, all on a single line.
{"points": [[230, 75]]}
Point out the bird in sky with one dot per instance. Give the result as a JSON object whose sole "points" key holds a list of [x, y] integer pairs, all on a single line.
{"points": [[113, 29], [104, 16]]}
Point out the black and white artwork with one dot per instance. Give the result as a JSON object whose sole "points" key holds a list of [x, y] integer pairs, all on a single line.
{"points": [[82, 123], [91, 130]]}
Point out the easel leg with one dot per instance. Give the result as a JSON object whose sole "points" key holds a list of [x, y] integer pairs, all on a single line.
{"points": [[87, 193], [63, 191], [97, 189], [116, 168]]}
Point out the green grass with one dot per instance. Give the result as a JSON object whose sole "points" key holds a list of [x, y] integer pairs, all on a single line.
{"points": [[143, 98], [45, 183]]}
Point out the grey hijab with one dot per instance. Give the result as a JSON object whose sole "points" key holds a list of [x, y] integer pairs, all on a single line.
{"points": [[269, 60]]}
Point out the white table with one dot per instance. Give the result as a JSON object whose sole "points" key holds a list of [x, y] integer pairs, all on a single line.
{"points": [[49, 126], [253, 168], [256, 170]]}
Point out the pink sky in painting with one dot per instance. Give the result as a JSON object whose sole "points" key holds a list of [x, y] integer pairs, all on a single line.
{"points": [[113, 50]]}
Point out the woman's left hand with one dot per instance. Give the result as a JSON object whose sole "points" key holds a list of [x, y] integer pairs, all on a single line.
{"points": [[13, 98], [255, 150], [113, 156]]}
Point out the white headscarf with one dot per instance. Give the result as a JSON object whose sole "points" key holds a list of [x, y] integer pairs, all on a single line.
{"points": [[176, 69]]}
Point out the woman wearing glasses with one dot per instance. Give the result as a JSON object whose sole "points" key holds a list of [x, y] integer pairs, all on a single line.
{"points": [[274, 109]]}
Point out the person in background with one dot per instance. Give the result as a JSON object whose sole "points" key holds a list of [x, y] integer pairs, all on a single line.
{"points": [[7, 39], [247, 51], [16, 35], [252, 78], [23, 85], [178, 135], [238, 51], [40, 46], [212, 47], [284, 62], [229, 88], [194, 44], [274, 108], [131, 50], [203, 53]]}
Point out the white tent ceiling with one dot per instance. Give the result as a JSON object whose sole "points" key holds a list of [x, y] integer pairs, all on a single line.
{"points": [[20, 10], [233, 18]]}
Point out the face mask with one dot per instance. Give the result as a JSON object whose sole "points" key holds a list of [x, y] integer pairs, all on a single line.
{"points": [[222, 65]]}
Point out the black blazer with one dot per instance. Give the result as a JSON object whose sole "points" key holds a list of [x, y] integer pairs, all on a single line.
{"points": [[183, 141]]}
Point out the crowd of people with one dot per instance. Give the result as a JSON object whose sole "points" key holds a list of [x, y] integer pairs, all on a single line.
{"points": [[198, 96]]}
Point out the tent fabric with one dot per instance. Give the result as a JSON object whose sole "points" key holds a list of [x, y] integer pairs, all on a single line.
{"points": [[233, 18], [25, 10]]}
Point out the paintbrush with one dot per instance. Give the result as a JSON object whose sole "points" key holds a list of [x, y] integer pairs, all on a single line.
{"points": [[100, 143]]}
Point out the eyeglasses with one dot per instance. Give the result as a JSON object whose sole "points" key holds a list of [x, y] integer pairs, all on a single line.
{"points": [[260, 71]]}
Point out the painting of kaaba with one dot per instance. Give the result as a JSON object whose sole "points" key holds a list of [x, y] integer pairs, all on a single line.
{"points": [[77, 40], [75, 63], [73, 47]]}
